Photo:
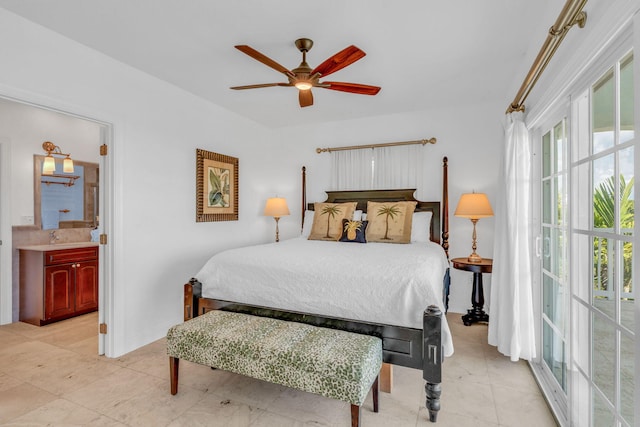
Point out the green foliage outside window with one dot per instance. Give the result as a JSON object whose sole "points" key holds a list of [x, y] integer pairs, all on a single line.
{"points": [[604, 218]]}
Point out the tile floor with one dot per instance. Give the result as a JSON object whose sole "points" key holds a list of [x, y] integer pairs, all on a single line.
{"points": [[52, 376]]}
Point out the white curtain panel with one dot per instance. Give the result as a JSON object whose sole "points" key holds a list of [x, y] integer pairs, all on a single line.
{"points": [[398, 167], [351, 169], [511, 327]]}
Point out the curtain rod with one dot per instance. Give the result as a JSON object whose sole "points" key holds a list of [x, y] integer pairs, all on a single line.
{"points": [[387, 144], [570, 15]]}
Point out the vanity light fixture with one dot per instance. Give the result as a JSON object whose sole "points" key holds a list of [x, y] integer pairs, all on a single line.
{"points": [[49, 164]]}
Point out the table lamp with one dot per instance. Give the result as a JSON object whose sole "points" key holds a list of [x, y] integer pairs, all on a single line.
{"points": [[276, 207], [474, 206]]}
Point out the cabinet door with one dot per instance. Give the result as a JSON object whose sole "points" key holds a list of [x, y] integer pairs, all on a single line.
{"points": [[86, 286], [59, 291]]}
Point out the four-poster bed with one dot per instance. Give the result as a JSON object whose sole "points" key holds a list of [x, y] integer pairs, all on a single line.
{"points": [[421, 345]]}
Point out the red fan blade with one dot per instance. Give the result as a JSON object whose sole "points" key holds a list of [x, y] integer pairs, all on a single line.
{"points": [[305, 97], [264, 59], [338, 61], [353, 88], [259, 86]]}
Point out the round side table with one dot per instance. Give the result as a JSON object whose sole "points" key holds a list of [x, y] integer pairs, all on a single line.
{"points": [[476, 313]]}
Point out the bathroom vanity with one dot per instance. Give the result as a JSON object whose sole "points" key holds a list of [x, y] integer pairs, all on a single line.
{"points": [[58, 281]]}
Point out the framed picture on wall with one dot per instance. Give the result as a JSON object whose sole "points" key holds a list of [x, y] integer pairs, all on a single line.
{"points": [[216, 187]]}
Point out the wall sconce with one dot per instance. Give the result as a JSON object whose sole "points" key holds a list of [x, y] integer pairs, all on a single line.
{"points": [[49, 164], [474, 206], [276, 207]]}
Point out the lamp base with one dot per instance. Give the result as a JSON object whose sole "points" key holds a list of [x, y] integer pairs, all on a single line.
{"points": [[474, 257]]}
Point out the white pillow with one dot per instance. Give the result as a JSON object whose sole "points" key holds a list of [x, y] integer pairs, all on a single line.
{"points": [[357, 215], [420, 224], [308, 223]]}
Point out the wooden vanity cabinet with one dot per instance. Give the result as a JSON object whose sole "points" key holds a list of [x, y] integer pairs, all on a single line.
{"points": [[57, 284]]}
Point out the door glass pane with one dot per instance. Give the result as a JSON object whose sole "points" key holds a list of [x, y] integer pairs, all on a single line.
{"points": [[604, 356], [546, 155], [603, 281], [559, 199], [546, 201], [553, 354], [626, 164], [581, 191], [602, 416], [557, 253], [559, 138], [627, 366], [554, 300], [603, 106], [546, 248], [604, 193], [626, 297], [626, 99]]}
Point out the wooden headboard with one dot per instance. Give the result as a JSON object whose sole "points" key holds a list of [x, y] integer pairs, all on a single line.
{"points": [[438, 220]]}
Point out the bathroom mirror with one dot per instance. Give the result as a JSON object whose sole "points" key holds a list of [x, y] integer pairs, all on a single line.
{"points": [[65, 200]]}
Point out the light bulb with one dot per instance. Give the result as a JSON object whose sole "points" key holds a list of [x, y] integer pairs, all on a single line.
{"points": [[302, 85]]}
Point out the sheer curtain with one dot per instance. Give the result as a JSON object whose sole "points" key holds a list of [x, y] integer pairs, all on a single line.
{"points": [[398, 167], [511, 328], [379, 168], [351, 169]]}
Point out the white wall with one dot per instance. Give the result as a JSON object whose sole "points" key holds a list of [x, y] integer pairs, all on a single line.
{"points": [[155, 241]]}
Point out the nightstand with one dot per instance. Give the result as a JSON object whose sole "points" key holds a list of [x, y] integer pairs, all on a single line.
{"points": [[475, 314]]}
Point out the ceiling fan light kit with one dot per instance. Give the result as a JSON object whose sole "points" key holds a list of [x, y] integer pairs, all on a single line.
{"points": [[304, 77]]}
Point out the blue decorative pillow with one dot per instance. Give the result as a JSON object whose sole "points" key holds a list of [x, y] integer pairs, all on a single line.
{"points": [[353, 231]]}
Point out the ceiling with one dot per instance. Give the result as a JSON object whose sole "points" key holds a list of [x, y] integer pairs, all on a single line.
{"points": [[424, 54]]}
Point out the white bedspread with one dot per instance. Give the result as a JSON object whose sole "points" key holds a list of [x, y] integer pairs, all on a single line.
{"points": [[373, 282]]}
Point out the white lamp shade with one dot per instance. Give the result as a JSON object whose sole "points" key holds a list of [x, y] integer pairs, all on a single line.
{"points": [[48, 166], [474, 206], [67, 165], [276, 207]]}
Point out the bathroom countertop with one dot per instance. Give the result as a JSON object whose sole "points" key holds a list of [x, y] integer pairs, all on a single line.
{"points": [[58, 246]]}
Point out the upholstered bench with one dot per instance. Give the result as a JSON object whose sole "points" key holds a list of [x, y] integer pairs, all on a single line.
{"points": [[333, 363]]}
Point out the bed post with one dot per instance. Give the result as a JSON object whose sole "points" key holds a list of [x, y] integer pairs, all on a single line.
{"points": [[432, 359], [445, 229], [304, 195], [445, 205], [192, 293]]}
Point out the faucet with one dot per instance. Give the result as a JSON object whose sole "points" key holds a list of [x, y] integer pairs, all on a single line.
{"points": [[53, 237]]}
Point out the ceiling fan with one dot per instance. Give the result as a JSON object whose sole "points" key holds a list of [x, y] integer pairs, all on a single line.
{"points": [[304, 77]]}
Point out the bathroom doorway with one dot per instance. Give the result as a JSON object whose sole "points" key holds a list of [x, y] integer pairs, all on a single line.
{"points": [[25, 127]]}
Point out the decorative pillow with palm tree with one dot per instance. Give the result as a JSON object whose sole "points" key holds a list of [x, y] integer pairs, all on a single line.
{"points": [[327, 220], [390, 222], [353, 231]]}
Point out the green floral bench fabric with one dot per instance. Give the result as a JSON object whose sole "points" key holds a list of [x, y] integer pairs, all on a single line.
{"points": [[333, 363]]}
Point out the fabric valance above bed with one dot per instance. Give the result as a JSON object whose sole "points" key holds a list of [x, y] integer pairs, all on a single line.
{"points": [[374, 282]]}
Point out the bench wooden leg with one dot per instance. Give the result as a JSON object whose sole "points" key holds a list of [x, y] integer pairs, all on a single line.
{"points": [[374, 391], [355, 415], [174, 364]]}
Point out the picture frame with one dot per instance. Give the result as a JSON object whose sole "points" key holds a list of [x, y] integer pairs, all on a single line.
{"points": [[216, 187]]}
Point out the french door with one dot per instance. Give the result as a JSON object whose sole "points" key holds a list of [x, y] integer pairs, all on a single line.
{"points": [[586, 360], [602, 303]]}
